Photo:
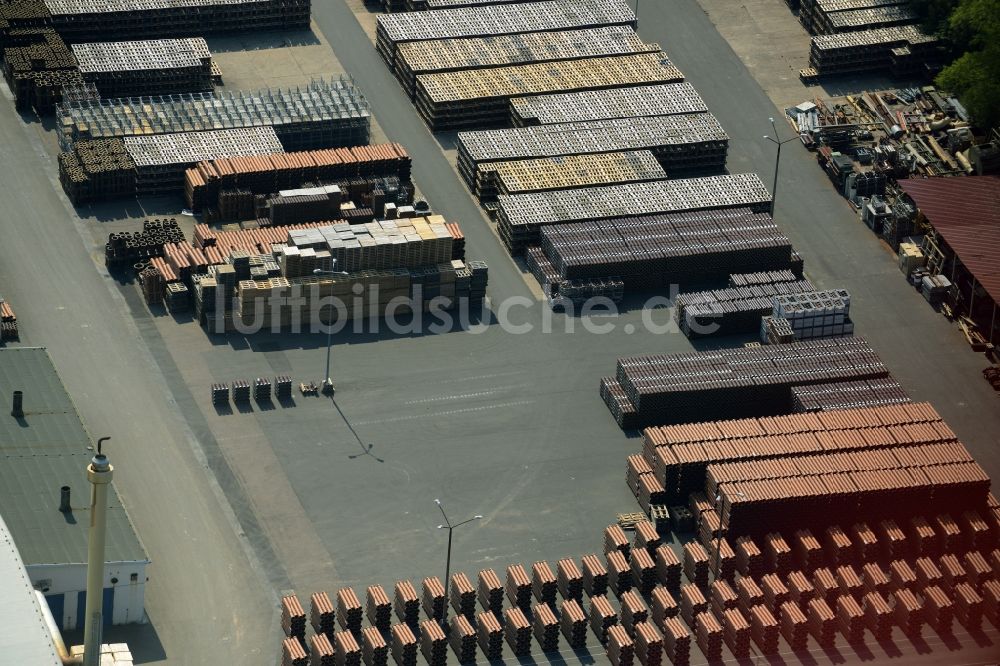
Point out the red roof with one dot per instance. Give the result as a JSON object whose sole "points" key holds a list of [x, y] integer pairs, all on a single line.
{"points": [[966, 212]]}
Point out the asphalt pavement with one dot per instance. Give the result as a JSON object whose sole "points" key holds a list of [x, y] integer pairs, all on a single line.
{"points": [[206, 600]]}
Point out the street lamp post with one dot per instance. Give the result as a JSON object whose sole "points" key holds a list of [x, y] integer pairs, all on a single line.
{"points": [[777, 161], [327, 382], [718, 541], [447, 567]]}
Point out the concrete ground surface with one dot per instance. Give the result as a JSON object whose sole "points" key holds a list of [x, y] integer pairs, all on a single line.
{"points": [[235, 507]]}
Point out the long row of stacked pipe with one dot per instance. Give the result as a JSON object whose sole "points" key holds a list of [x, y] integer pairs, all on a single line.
{"points": [[717, 566], [865, 35]]}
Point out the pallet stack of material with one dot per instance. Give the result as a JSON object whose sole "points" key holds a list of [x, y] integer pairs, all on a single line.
{"points": [[518, 587], [160, 66], [490, 635], [668, 568], [451, 55], [749, 558], [850, 618], [293, 653], [619, 573], [97, 170], [573, 623], [404, 645], [680, 142], [517, 631], [569, 580], [463, 595], [663, 605], [738, 382], [709, 635], [648, 645], [794, 625], [490, 591], [822, 622], [322, 114], [407, 603], [749, 594], [812, 12], [676, 642], [646, 536], [94, 20], [643, 570], [800, 589], [602, 616], [653, 252], [161, 159], [763, 629], [874, 578], [261, 389], [283, 387], [349, 613], [37, 64], [544, 584], [848, 395], [480, 98], [293, 617], [433, 643], [620, 649], [433, 598], [267, 174], [864, 19], [378, 608], [606, 104], [817, 314], [732, 310], [633, 610], [321, 652], [696, 564], [374, 649], [595, 576], [722, 597], [546, 627], [563, 173], [396, 29], [693, 603], [867, 50], [463, 639]]}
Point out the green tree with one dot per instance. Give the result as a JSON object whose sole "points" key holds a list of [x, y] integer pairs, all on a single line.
{"points": [[974, 29]]}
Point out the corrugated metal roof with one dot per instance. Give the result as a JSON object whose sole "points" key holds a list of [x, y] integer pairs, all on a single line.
{"points": [[966, 212], [24, 637], [40, 453]]}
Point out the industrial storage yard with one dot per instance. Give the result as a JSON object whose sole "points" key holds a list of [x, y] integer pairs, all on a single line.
{"points": [[698, 405]]}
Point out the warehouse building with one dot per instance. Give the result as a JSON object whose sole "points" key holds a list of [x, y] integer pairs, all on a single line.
{"points": [[964, 246], [45, 496]]}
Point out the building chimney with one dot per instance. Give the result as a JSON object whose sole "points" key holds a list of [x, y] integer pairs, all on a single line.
{"points": [[64, 500], [17, 412]]}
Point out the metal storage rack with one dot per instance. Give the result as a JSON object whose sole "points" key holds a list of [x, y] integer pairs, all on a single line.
{"points": [[422, 5], [521, 216], [395, 29], [608, 104], [323, 114], [479, 98], [446, 55], [160, 66], [681, 142]]}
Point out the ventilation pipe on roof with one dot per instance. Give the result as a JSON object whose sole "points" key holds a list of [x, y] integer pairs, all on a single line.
{"points": [[17, 412], [64, 500]]}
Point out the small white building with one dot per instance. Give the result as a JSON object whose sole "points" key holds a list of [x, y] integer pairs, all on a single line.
{"points": [[44, 456]]}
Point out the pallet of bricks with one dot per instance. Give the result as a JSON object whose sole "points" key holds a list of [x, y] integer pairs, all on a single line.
{"points": [[438, 56], [570, 172], [8, 322], [739, 307], [266, 174], [899, 49], [847, 395], [480, 98], [679, 142], [322, 114], [490, 21], [642, 101], [656, 251], [734, 382], [159, 66], [37, 64], [818, 15], [97, 20]]}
